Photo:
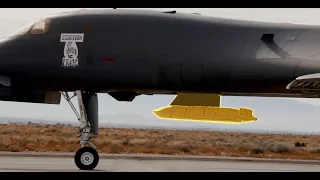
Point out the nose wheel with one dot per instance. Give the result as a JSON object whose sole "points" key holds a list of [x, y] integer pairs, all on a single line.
{"points": [[86, 158]]}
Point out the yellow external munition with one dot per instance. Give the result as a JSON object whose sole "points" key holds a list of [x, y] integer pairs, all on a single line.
{"points": [[203, 108]]}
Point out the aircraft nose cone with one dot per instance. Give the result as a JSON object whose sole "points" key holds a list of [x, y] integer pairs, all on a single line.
{"points": [[9, 53], [10, 46], [2, 48], [3, 43]]}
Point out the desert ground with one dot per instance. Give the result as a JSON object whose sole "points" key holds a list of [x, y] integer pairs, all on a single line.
{"points": [[60, 138]]}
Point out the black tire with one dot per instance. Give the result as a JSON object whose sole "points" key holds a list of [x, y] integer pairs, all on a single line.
{"points": [[86, 158]]}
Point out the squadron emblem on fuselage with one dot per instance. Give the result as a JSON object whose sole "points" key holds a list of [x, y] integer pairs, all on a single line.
{"points": [[70, 51]]}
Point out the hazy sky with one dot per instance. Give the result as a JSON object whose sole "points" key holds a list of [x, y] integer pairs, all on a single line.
{"points": [[144, 104]]}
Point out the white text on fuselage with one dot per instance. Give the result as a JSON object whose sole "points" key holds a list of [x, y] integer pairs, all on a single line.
{"points": [[71, 37]]}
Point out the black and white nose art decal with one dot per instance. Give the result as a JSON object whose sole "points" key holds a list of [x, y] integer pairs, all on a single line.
{"points": [[70, 51]]}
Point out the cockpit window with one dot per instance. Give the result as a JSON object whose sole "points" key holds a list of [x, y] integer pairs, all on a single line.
{"points": [[40, 27]]}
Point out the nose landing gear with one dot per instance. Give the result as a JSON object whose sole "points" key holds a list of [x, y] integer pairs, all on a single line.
{"points": [[86, 158]]}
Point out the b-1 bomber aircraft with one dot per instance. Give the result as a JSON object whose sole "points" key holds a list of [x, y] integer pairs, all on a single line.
{"points": [[127, 53]]}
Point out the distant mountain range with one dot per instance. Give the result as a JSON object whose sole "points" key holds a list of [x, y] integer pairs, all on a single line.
{"points": [[273, 114]]}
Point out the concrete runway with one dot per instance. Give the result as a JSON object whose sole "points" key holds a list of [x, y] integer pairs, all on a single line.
{"points": [[34, 164]]}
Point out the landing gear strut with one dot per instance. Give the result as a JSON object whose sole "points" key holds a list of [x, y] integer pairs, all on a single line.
{"points": [[86, 158]]}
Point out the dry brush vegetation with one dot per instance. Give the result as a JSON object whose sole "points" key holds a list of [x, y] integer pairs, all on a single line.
{"points": [[53, 138]]}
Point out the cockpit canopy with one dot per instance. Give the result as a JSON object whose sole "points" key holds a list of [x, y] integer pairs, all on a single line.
{"points": [[39, 27]]}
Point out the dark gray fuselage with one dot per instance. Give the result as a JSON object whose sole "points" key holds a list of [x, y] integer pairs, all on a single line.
{"points": [[155, 52]]}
